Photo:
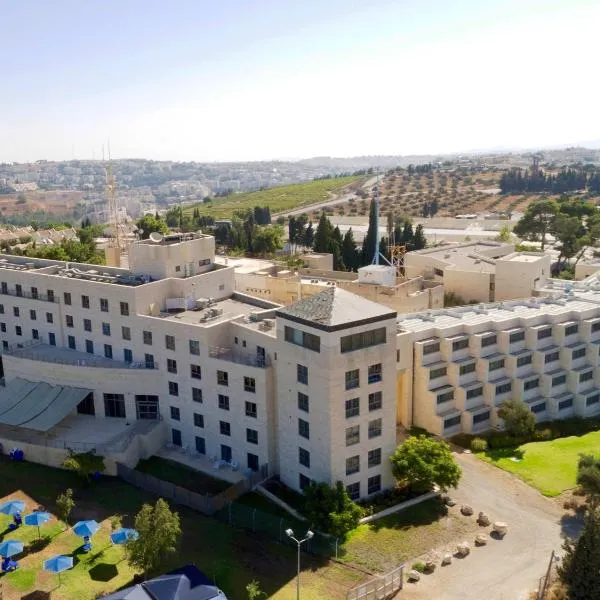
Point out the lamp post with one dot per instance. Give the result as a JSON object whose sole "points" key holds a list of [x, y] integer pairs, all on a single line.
{"points": [[290, 534]]}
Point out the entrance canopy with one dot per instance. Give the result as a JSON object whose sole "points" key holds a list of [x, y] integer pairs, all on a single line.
{"points": [[38, 406]]}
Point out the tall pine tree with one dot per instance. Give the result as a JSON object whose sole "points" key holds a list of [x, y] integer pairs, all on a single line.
{"points": [[349, 253], [371, 240], [322, 235]]}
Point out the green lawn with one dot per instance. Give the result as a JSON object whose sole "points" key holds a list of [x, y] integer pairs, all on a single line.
{"points": [[278, 199], [180, 475], [551, 466]]}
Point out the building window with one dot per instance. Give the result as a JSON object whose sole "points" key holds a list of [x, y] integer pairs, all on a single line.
{"points": [[50, 294], [571, 329], [375, 428], [226, 453], [531, 384], [304, 457], [19, 289], [375, 401], [352, 408], [147, 335], [85, 301], [176, 437], [32, 314], [149, 361], [366, 339], [352, 379], [3, 327], [489, 340], [108, 352], [481, 417], [579, 353], [198, 420], [223, 402], [114, 405], [445, 397], [475, 392], [106, 328], [439, 372], [146, 407], [175, 413], [460, 345], [352, 465], [538, 408], [169, 342], [544, 333], [352, 435], [222, 378], [125, 333], [249, 384], [69, 320], [89, 346], [465, 369], [564, 404], [87, 325], [375, 373], [252, 436], [303, 481], [71, 342], [16, 311], [596, 327], [302, 374], [452, 422], [196, 394], [173, 388], [586, 376], [195, 372], [374, 484], [591, 400], [224, 428], [67, 297], [35, 334], [303, 429], [496, 364], [551, 357], [353, 491], [51, 339], [194, 347], [374, 457], [503, 388], [524, 360], [127, 355], [171, 365], [124, 309], [18, 330], [303, 403], [431, 348], [103, 305], [302, 338], [251, 409], [252, 461], [200, 445], [559, 380], [1, 309], [49, 318], [518, 336], [4, 287]]}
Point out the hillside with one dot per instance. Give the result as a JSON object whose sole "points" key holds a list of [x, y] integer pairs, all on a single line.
{"points": [[278, 199]]}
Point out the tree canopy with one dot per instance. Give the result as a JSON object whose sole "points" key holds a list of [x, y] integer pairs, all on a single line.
{"points": [[519, 421], [588, 477], [151, 223]]}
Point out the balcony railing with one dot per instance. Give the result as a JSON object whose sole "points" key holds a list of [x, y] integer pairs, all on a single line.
{"points": [[241, 359], [29, 295]]}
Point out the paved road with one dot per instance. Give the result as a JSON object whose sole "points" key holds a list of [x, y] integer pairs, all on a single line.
{"points": [[504, 569]]}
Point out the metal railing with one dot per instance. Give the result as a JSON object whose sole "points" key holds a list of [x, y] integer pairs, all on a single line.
{"points": [[379, 588], [236, 357], [29, 295]]}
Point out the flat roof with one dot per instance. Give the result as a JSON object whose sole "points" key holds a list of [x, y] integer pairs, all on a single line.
{"points": [[524, 257], [243, 264], [219, 312]]}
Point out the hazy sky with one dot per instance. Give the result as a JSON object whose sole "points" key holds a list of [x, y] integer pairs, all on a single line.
{"points": [[249, 80]]}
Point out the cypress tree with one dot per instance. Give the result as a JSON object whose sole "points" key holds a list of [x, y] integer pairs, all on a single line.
{"points": [[322, 235], [371, 239]]}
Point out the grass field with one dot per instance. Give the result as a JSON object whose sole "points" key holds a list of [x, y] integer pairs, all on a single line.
{"points": [[278, 199], [551, 466]]}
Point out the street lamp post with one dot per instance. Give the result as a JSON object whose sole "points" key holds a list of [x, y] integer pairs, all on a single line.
{"points": [[290, 534]]}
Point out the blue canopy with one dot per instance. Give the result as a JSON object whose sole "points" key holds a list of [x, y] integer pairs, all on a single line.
{"points": [[36, 519], [121, 536], [86, 528], [10, 548], [12, 507], [58, 564]]}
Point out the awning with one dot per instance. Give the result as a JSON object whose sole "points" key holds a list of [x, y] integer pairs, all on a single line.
{"points": [[37, 405]]}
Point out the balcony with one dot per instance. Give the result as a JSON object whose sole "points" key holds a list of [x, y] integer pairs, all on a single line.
{"points": [[4, 291], [262, 362]]}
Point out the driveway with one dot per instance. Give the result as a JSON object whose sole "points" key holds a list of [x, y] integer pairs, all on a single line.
{"points": [[507, 569]]}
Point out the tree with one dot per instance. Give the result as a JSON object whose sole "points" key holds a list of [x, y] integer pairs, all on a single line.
{"points": [[330, 510], [579, 568], [422, 462], [253, 590], [504, 234], [371, 241], [159, 531], [65, 504], [419, 241], [588, 477], [309, 235], [149, 223], [268, 239], [350, 255], [519, 421], [322, 235], [85, 464], [537, 222]]}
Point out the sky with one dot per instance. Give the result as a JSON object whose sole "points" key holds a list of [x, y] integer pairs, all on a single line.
{"points": [[199, 80]]}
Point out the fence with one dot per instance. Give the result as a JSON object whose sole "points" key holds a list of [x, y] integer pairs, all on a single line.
{"points": [[379, 588]]}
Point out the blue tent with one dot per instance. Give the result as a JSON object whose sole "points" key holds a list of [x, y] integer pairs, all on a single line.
{"points": [[10, 548], [122, 536], [85, 528], [12, 507], [36, 519], [187, 583]]}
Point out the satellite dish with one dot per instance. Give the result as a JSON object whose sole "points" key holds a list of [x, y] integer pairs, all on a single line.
{"points": [[156, 237]]}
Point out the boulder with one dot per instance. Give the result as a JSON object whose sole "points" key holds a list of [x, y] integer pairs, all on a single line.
{"points": [[429, 566], [466, 510], [414, 575], [449, 501], [481, 539], [446, 559], [463, 549], [483, 519], [500, 528]]}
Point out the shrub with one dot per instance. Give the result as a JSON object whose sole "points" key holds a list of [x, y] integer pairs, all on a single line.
{"points": [[462, 439], [518, 419], [419, 566], [478, 445], [543, 435], [504, 440]]}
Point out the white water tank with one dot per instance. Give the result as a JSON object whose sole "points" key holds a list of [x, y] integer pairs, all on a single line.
{"points": [[378, 275]]}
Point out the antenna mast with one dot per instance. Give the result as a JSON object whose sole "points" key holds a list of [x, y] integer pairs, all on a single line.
{"points": [[113, 253], [376, 253]]}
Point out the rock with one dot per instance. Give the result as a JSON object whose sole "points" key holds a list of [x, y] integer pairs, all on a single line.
{"points": [[463, 549], [447, 559], [466, 510], [414, 575], [429, 566], [483, 519], [450, 502], [481, 539], [500, 528]]}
